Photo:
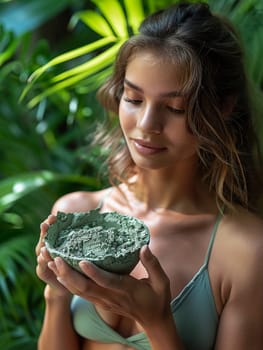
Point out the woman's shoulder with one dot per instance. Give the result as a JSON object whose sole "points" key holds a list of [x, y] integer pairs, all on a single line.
{"points": [[79, 201], [243, 224], [238, 272], [242, 245]]}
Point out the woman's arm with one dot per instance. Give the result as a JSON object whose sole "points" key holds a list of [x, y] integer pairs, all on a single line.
{"points": [[164, 336], [160, 327], [57, 331], [241, 321]]}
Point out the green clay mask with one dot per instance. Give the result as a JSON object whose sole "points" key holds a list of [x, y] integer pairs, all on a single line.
{"points": [[110, 240]]}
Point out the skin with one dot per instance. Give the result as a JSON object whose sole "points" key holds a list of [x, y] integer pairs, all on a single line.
{"points": [[180, 213]]}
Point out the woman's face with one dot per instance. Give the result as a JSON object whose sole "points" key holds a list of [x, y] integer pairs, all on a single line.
{"points": [[152, 114]]}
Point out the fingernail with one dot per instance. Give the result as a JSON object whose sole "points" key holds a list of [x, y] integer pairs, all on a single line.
{"points": [[84, 264], [58, 261], [51, 265]]}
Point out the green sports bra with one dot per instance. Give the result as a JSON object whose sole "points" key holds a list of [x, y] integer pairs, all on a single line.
{"points": [[193, 310]]}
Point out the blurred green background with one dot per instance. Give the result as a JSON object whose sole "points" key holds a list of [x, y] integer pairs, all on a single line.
{"points": [[53, 57]]}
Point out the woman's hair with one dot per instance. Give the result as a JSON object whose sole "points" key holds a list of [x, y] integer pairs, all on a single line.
{"points": [[215, 87]]}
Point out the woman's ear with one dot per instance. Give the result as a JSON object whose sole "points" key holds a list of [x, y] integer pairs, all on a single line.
{"points": [[228, 105]]}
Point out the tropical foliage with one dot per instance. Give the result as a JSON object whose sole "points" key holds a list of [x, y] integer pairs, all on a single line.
{"points": [[48, 111]]}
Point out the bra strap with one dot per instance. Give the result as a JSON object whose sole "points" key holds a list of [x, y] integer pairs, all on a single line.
{"points": [[213, 235]]}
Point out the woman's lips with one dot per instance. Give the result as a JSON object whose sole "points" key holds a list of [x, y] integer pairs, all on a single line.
{"points": [[147, 148]]}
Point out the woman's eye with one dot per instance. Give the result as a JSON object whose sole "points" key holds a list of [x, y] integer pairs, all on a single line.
{"points": [[131, 100], [176, 110]]}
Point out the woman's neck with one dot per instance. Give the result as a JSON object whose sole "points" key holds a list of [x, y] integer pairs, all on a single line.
{"points": [[162, 190]]}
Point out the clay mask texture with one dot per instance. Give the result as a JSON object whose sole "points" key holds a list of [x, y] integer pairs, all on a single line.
{"points": [[110, 240]]}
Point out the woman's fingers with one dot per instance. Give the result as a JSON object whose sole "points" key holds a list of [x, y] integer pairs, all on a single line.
{"points": [[45, 224], [121, 294], [42, 268], [45, 271], [51, 219], [157, 276], [100, 285], [101, 277], [70, 278], [43, 260], [43, 230]]}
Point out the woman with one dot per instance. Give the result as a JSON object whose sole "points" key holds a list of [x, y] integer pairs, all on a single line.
{"points": [[186, 169]]}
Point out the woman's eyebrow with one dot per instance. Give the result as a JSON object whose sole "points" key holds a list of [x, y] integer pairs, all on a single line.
{"points": [[131, 85], [165, 94]]}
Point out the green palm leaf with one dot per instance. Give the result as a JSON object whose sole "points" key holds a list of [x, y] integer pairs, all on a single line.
{"points": [[91, 66], [12, 189], [84, 50], [135, 13], [70, 55], [16, 187], [8, 45], [115, 15], [113, 25], [78, 73], [19, 292], [94, 21]]}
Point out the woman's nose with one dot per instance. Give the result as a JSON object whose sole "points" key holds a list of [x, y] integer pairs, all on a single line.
{"points": [[149, 120]]}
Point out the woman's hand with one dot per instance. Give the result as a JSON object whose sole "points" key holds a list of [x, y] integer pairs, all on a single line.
{"points": [[44, 259], [146, 300]]}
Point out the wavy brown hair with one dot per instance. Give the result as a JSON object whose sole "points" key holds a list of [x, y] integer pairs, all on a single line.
{"points": [[216, 89]]}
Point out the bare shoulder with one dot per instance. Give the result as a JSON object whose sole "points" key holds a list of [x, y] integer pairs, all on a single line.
{"points": [[241, 252], [80, 201], [246, 229]]}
